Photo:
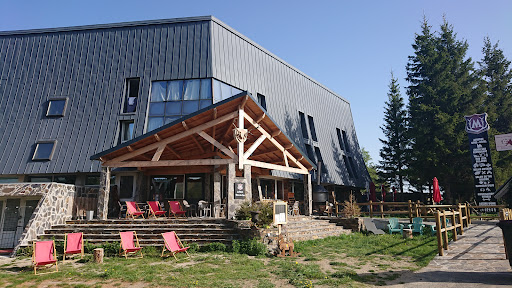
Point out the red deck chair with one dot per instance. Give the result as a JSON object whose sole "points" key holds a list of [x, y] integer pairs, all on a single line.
{"points": [[173, 245], [132, 210], [175, 209], [154, 209], [74, 244], [129, 244], [43, 254]]}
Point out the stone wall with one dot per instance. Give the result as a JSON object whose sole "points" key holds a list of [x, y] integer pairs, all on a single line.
{"points": [[54, 207]]}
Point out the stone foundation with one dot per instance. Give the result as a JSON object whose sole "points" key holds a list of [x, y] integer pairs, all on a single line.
{"points": [[55, 206]]}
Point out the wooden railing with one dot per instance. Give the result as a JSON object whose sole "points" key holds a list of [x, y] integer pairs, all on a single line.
{"points": [[506, 214], [442, 228]]}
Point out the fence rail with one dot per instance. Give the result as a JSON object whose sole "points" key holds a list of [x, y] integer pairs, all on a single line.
{"points": [[442, 228]]}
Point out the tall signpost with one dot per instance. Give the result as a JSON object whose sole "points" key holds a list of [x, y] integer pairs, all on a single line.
{"points": [[477, 126]]}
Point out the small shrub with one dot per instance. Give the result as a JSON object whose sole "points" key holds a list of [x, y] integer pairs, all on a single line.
{"points": [[244, 211], [151, 251], [24, 251], [194, 247], [235, 246], [215, 246], [350, 208], [252, 247], [110, 249]]}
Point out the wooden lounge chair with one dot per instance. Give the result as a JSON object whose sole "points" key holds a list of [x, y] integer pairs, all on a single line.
{"points": [[129, 244], [43, 254], [74, 244], [154, 209], [133, 210], [173, 245], [417, 225], [175, 209], [395, 226]]}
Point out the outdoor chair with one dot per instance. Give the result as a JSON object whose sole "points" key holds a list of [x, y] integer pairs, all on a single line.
{"points": [[133, 210], [295, 208], [190, 208], [205, 209], [154, 209], [173, 245], [175, 209], [395, 226], [73, 244], [417, 225], [44, 253], [129, 244]]}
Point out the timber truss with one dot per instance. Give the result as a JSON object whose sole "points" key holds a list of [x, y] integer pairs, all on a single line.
{"points": [[236, 130]]}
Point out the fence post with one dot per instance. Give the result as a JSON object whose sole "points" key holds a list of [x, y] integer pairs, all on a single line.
{"points": [[445, 232], [381, 207], [438, 234], [418, 208], [468, 212], [371, 209], [452, 218], [410, 210], [460, 221]]}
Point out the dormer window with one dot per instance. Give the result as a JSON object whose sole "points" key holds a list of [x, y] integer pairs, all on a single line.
{"points": [[44, 150], [56, 107]]}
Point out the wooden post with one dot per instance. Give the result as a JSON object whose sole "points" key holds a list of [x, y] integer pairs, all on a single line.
{"points": [[410, 210], [104, 193], [381, 207], [444, 230], [468, 212], [371, 209], [418, 208], [438, 234], [460, 221], [98, 255], [452, 218]]}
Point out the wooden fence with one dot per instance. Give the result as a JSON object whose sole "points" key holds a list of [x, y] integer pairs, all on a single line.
{"points": [[506, 214], [442, 228]]}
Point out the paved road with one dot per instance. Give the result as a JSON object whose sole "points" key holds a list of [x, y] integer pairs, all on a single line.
{"points": [[476, 259]]}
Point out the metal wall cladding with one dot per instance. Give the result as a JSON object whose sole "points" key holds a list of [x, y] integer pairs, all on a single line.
{"points": [[89, 66], [240, 62]]}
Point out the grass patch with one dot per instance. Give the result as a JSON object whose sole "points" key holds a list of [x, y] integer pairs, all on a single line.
{"points": [[221, 266]]}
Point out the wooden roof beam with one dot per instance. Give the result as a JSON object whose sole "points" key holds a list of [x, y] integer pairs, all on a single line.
{"points": [[217, 144], [172, 139], [214, 127], [193, 137], [164, 163]]}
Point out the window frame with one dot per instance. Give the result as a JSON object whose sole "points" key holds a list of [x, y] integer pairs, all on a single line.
{"points": [[122, 130], [54, 142], [126, 94], [303, 125], [63, 109], [262, 100], [312, 130]]}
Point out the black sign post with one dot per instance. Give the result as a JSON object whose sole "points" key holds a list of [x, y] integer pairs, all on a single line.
{"points": [[476, 126], [239, 190]]}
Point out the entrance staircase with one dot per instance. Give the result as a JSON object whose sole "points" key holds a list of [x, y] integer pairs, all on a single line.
{"points": [[301, 228], [190, 230]]}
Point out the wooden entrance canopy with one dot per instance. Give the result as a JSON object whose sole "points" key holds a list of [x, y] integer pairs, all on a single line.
{"points": [[236, 130]]}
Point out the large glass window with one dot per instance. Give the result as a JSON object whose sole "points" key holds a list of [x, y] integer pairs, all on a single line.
{"points": [[351, 161], [340, 140], [222, 91], [345, 140], [171, 100], [262, 101], [44, 150], [347, 166]]}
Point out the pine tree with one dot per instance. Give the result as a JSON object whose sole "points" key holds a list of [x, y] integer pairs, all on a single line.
{"points": [[496, 80], [441, 92], [393, 153]]}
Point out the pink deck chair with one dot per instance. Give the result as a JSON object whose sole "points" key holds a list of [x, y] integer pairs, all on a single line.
{"points": [[132, 210], [175, 209], [154, 209], [173, 245], [74, 244], [129, 244], [43, 254]]}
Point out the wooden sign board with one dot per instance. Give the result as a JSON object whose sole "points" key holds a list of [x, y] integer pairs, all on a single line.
{"points": [[280, 212]]}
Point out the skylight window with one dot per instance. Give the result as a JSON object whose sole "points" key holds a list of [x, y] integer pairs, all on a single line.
{"points": [[44, 150], [56, 107]]}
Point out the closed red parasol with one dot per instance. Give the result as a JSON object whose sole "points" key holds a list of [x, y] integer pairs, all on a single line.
{"points": [[373, 197], [437, 193]]}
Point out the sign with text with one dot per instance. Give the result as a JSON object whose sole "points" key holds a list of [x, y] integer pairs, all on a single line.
{"points": [[503, 142], [476, 126], [239, 190], [280, 212]]}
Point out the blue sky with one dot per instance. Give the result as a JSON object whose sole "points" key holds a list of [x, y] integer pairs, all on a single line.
{"points": [[349, 46]]}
